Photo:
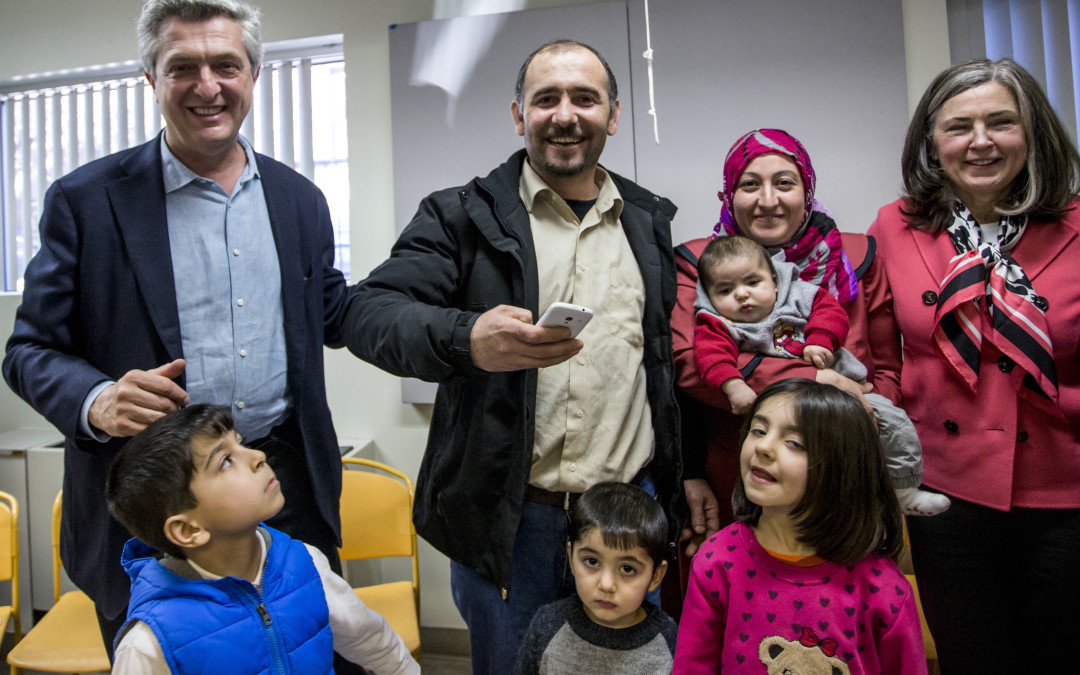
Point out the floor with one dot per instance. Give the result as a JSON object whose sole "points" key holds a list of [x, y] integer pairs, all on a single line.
{"points": [[444, 664]]}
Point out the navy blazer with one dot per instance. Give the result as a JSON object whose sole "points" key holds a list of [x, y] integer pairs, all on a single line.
{"points": [[100, 300]]}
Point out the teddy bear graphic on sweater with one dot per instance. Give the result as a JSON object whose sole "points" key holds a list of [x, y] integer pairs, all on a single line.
{"points": [[805, 656], [786, 336]]}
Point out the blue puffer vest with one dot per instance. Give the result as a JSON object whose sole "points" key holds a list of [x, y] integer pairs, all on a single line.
{"points": [[207, 626]]}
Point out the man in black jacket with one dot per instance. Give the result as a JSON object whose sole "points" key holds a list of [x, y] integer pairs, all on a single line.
{"points": [[526, 418]]}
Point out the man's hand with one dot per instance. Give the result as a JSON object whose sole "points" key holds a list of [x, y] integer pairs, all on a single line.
{"points": [[818, 356], [137, 399], [704, 514], [856, 389], [505, 339]]}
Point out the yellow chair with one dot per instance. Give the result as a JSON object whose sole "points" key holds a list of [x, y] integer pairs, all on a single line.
{"points": [[376, 522], [67, 639], [9, 561]]}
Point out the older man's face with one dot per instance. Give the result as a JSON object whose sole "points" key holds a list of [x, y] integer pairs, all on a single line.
{"points": [[565, 115], [203, 82]]}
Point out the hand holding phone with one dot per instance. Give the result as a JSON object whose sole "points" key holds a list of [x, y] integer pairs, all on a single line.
{"points": [[573, 317]]}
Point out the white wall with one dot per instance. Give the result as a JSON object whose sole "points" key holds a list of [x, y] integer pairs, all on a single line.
{"points": [[38, 36]]}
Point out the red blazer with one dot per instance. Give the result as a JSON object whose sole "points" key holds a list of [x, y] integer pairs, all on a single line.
{"points": [[990, 447]]}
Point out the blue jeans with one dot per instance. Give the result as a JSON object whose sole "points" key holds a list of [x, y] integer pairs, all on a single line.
{"points": [[539, 574]]}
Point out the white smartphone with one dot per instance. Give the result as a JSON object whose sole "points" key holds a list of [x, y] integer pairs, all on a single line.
{"points": [[573, 317]]}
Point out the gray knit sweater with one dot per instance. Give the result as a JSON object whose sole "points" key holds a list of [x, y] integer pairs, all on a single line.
{"points": [[562, 640]]}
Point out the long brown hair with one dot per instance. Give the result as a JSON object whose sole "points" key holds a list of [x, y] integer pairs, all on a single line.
{"points": [[849, 508], [1044, 187]]}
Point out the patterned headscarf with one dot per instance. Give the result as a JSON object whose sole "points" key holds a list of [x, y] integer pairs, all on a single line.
{"points": [[816, 246]]}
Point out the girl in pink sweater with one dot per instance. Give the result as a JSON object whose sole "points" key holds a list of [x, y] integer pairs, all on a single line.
{"points": [[805, 580]]}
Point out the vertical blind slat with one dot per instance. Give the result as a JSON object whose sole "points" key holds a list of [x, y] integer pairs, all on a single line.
{"points": [[105, 120], [88, 126], [72, 150], [1074, 59], [1057, 57], [265, 129], [138, 106], [7, 178], [23, 186], [286, 146], [39, 178], [304, 124], [56, 126], [122, 117], [996, 22]]}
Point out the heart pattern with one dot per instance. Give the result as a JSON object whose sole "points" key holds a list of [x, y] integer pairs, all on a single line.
{"points": [[792, 594]]}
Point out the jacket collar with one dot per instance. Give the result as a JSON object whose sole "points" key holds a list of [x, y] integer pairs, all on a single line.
{"points": [[138, 202], [1041, 244]]}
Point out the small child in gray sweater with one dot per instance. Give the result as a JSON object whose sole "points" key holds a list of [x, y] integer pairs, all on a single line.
{"points": [[617, 546]]}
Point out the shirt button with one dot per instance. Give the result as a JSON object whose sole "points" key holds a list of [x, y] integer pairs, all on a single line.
{"points": [[240, 404], [581, 361], [929, 298], [1021, 436], [240, 302], [579, 414], [243, 352], [573, 467], [1005, 364], [951, 426], [1042, 303], [236, 251]]}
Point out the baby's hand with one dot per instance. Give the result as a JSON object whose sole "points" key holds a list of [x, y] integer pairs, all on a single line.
{"points": [[818, 356], [740, 395]]}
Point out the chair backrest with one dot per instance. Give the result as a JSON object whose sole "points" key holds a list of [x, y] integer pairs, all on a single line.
{"points": [[9, 553], [376, 513], [56, 564]]}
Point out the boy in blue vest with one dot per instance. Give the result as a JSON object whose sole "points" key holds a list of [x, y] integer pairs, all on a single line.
{"points": [[221, 592]]}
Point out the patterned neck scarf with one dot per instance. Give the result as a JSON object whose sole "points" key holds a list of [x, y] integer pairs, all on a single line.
{"points": [[985, 295], [816, 246]]}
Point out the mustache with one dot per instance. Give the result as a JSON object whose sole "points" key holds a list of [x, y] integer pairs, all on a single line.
{"points": [[572, 130]]}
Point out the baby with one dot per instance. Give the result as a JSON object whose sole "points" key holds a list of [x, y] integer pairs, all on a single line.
{"points": [[748, 302]]}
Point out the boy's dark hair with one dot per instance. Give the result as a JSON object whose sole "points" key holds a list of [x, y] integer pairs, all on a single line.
{"points": [[722, 249], [150, 478], [849, 508], [626, 516]]}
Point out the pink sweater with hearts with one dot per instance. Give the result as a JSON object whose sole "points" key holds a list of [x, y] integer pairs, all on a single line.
{"points": [[745, 608]]}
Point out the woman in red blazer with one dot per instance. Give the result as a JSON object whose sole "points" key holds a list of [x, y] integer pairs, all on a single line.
{"points": [[982, 256]]}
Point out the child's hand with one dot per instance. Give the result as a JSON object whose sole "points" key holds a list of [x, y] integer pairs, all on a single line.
{"points": [[817, 355], [739, 394]]}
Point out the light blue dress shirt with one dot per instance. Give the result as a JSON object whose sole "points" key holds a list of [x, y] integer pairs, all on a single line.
{"points": [[228, 293]]}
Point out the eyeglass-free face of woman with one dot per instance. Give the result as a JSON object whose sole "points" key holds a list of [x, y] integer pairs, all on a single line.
{"points": [[981, 145], [769, 201]]}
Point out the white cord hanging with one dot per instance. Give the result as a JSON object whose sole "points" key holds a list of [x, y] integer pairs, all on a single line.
{"points": [[649, 57]]}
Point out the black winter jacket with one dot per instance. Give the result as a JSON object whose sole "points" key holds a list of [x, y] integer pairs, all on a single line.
{"points": [[466, 251]]}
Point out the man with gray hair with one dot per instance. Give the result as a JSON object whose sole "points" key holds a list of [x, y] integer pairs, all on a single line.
{"points": [[188, 269]]}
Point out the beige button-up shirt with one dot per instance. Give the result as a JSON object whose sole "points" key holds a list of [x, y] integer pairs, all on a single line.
{"points": [[593, 421]]}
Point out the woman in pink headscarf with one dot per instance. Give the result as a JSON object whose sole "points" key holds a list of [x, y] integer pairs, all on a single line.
{"points": [[768, 196]]}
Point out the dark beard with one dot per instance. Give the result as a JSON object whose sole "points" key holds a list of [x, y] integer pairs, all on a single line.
{"points": [[562, 170]]}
